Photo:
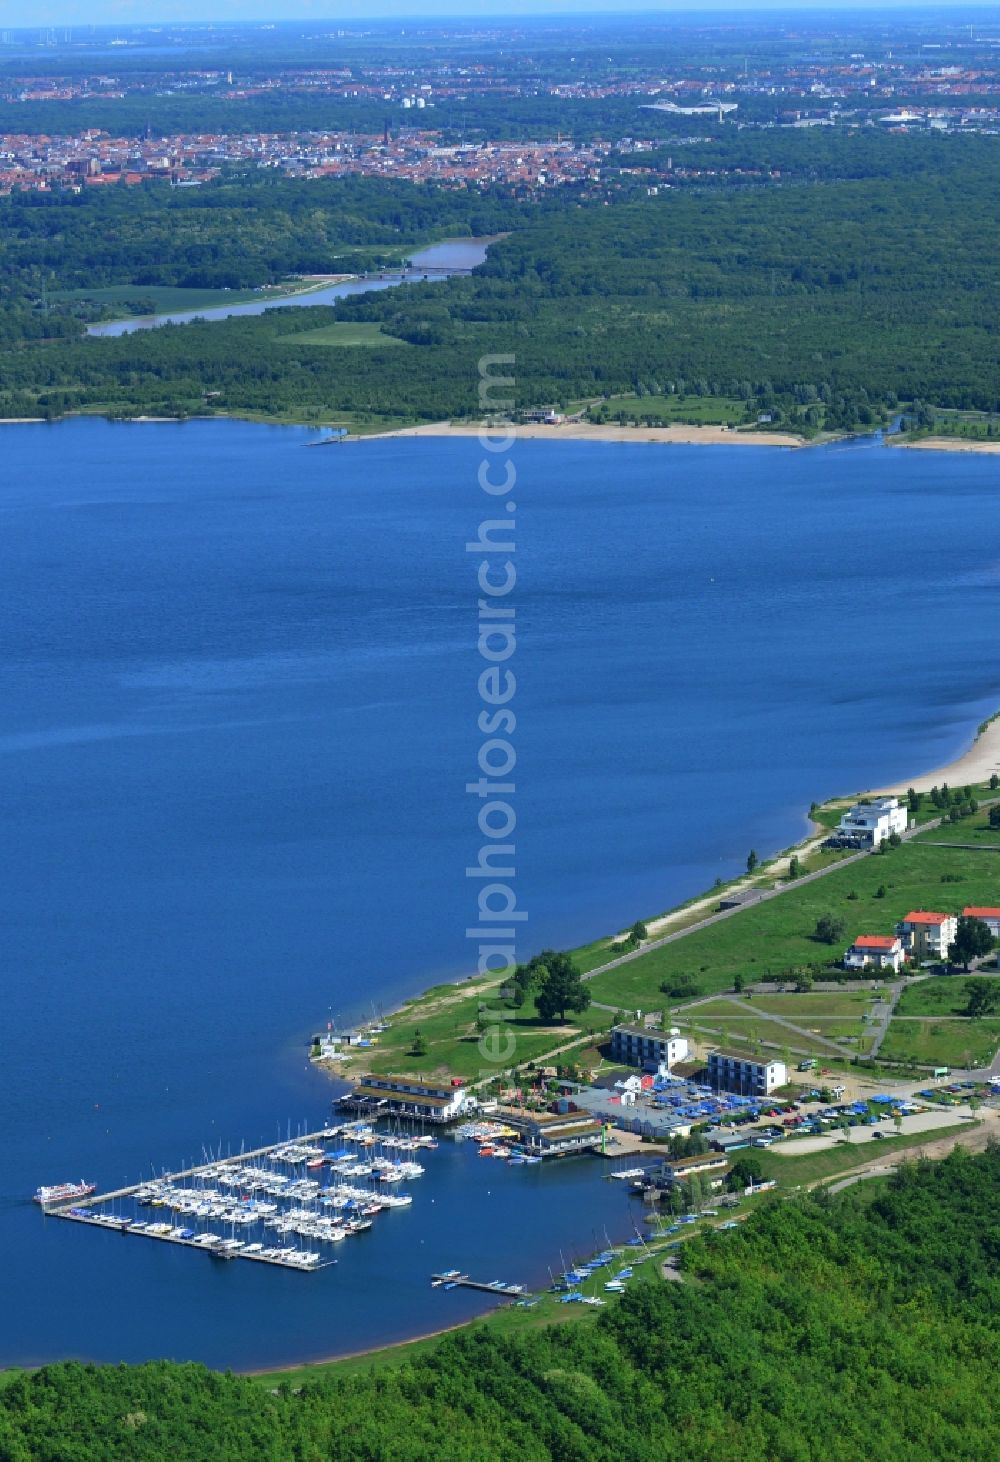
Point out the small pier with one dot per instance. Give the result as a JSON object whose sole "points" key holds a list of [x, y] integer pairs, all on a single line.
{"points": [[455, 1279]]}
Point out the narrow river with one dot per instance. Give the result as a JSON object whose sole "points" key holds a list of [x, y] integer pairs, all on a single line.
{"points": [[438, 261]]}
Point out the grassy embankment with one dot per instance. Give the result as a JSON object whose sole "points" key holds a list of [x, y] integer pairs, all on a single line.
{"points": [[445, 1021], [767, 940], [761, 942]]}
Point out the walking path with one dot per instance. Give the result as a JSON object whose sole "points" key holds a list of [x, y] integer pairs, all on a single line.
{"points": [[832, 1046]]}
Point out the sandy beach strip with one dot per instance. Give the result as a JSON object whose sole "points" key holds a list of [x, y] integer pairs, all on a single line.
{"points": [[948, 444], [975, 765], [587, 431]]}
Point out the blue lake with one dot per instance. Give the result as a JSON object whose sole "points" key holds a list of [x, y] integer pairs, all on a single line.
{"points": [[239, 716]]}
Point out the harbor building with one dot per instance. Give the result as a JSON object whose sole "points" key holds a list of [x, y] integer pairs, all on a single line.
{"points": [[927, 935], [391, 1096], [635, 1045], [557, 1134], [710, 1166], [869, 823], [747, 1075]]}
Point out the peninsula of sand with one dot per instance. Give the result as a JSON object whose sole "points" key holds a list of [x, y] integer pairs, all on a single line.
{"points": [[680, 434], [588, 431], [946, 444]]}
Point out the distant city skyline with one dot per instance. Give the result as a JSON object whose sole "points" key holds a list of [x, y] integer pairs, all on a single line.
{"points": [[38, 14]]}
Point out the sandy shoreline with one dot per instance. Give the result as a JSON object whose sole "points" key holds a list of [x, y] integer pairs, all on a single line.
{"points": [[975, 765], [586, 431], [948, 444]]}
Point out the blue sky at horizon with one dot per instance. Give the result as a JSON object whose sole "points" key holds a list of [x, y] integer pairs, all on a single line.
{"points": [[33, 14]]}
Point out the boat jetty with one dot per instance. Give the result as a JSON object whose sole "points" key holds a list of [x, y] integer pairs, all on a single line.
{"points": [[236, 1207], [455, 1279]]}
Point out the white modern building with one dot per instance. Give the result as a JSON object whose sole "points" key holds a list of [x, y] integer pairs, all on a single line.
{"points": [[869, 823], [747, 1075], [927, 935], [634, 1045], [883, 951]]}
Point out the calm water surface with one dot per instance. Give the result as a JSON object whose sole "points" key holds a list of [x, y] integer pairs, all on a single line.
{"points": [[452, 256], [239, 714]]}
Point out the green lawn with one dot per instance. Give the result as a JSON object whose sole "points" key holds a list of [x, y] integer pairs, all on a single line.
{"points": [[766, 940], [933, 1042], [346, 332], [446, 1019], [709, 410], [939, 995], [968, 830], [744, 1036], [802, 1008]]}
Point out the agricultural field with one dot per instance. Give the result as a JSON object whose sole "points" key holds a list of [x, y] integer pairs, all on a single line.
{"points": [[344, 333], [768, 940]]}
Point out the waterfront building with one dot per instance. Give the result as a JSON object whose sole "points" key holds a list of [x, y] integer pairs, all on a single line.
{"points": [[927, 935], [748, 1075], [556, 1134], [392, 1096], [869, 823], [711, 1166], [884, 951], [635, 1045]]}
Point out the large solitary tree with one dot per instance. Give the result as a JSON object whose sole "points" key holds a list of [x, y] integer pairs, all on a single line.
{"points": [[830, 929], [561, 988]]}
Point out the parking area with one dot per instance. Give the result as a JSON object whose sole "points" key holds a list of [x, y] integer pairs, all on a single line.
{"points": [[668, 1108], [914, 1123]]}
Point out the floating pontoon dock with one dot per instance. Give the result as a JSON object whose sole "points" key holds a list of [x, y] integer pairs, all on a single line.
{"points": [[453, 1278], [232, 1172]]}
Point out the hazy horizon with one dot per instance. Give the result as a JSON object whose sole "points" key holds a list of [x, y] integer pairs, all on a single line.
{"points": [[29, 15]]}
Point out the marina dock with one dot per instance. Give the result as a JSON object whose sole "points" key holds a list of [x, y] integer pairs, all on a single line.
{"points": [[265, 1187]]}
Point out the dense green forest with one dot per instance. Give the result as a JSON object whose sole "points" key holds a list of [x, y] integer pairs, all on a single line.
{"points": [[237, 234], [822, 304], [834, 1329]]}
